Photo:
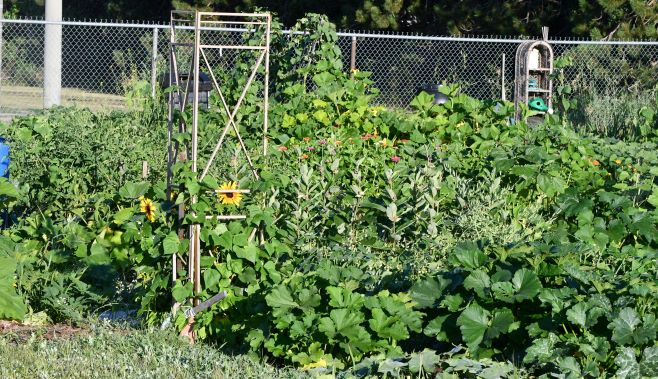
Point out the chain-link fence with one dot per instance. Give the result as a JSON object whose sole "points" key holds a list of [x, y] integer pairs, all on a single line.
{"points": [[102, 62]]}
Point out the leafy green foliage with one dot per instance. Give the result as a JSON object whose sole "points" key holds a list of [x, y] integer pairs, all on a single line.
{"points": [[373, 239]]}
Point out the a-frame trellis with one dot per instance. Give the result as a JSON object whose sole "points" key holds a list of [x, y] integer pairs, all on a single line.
{"points": [[206, 26]]}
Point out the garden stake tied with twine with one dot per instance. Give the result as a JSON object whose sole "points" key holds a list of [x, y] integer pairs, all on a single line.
{"points": [[229, 193]]}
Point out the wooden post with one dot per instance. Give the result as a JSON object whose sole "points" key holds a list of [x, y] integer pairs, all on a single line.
{"points": [[145, 169]]}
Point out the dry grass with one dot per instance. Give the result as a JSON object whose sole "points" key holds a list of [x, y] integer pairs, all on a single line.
{"points": [[22, 100]]}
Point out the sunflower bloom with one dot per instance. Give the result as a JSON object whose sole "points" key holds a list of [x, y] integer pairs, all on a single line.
{"points": [[229, 198], [147, 207]]}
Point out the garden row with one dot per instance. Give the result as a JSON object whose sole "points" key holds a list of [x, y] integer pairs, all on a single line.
{"points": [[443, 241]]}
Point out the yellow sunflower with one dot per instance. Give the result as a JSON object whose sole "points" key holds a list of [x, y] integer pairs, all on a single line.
{"points": [[148, 208], [230, 197]]}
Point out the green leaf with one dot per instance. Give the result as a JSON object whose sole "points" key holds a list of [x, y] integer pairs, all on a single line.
{"points": [[24, 134], [436, 329], [526, 283], [249, 252], [502, 322], [346, 323], [503, 291], [647, 332], [478, 281], [345, 298], [391, 368], [550, 185], [387, 327], [280, 297], [123, 215], [133, 191], [653, 198], [8, 189], [425, 361], [12, 306], [423, 102], [649, 362], [578, 314], [182, 292], [468, 255], [473, 323], [171, 243], [426, 292], [452, 302], [497, 371], [98, 255], [623, 326], [193, 187], [211, 277], [627, 364], [571, 366], [542, 350]]}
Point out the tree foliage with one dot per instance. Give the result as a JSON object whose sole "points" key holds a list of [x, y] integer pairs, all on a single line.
{"points": [[596, 19]]}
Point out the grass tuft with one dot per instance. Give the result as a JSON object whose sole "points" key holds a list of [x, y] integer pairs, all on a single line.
{"points": [[106, 352]]}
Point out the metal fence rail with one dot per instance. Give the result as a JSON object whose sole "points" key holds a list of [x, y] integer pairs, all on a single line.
{"points": [[101, 62]]}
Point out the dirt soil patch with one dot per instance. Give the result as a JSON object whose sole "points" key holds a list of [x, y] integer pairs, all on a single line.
{"points": [[21, 332]]}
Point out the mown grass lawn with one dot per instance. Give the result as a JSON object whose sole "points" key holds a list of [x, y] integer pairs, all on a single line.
{"points": [[103, 351]]}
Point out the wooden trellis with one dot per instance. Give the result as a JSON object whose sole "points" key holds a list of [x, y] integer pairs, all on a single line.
{"points": [[203, 24]]}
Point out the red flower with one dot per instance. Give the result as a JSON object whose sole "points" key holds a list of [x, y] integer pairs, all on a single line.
{"points": [[283, 148], [395, 158]]}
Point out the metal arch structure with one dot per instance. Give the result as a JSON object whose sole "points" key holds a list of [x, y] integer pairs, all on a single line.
{"points": [[202, 24]]}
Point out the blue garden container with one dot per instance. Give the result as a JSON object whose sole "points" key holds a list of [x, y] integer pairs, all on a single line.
{"points": [[4, 158]]}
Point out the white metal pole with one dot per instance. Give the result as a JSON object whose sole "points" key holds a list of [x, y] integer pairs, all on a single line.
{"points": [[1, 42], [502, 80], [52, 55], [154, 61]]}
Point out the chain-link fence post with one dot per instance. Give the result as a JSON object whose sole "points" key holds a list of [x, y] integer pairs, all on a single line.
{"points": [[52, 58], [2, 44], [154, 61], [353, 55]]}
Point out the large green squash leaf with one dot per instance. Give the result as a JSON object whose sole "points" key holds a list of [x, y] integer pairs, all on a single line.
{"points": [[526, 283], [649, 362], [12, 306], [624, 325], [627, 364], [468, 255], [473, 324]]}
